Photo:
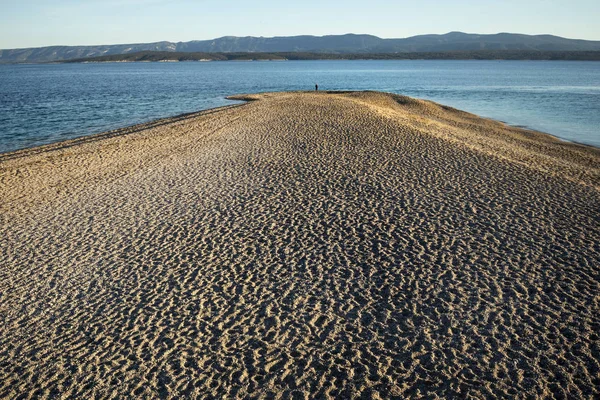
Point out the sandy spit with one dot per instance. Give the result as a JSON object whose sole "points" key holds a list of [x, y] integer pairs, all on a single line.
{"points": [[303, 245]]}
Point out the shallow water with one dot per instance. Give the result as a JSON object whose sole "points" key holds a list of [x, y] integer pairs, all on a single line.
{"points": [[42, 104]]}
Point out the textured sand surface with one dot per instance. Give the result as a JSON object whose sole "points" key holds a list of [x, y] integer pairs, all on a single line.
{"points": [[307, 246]]}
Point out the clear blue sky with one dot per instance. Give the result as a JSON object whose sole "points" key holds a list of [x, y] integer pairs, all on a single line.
{"points": [[30, 23]]}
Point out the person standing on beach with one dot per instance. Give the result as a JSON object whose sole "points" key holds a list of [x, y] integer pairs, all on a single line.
{"points": [[316, 87]]}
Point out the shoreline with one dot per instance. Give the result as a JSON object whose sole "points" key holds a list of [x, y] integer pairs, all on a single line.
{"points": [[145, 125], [294, 60], [527, 128], [129, 129]]}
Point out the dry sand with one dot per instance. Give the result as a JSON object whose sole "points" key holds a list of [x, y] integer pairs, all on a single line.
{"points": [[306, 245]]}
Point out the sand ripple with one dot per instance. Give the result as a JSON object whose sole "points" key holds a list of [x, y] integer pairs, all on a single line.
{"points": [[303, 246]]}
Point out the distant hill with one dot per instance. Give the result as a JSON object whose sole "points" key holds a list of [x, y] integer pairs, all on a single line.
{"points": [[333, 44], [163, 56]]}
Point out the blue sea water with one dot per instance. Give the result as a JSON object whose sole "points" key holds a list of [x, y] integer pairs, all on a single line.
{"points": [[42, 104]]}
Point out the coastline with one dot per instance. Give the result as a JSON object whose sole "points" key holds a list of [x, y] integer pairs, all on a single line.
{"points": [[145, 125], [137, 128], [319, 245], [550, 108], [555, 136]]}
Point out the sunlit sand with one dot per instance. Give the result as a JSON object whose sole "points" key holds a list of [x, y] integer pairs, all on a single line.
{"points": [[305, 245]]}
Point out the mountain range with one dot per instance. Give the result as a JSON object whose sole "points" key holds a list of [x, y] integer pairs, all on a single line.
{"points": [[334, 44]]}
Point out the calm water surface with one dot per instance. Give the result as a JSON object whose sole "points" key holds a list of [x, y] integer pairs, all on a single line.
{"points": [[47, 103]]}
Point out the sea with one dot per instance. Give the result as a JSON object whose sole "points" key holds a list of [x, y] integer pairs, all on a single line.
{"points": [[47, 103]]}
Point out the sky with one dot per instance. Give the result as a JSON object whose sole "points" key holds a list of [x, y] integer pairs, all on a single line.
{"points": [[36, 23]]}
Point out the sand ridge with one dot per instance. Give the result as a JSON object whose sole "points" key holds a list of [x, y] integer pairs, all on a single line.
{"points": [[306, 245]]}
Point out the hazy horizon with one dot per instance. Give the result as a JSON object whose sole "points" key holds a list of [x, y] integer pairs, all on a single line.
{"points": [[332, 34], [34, 23]]}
